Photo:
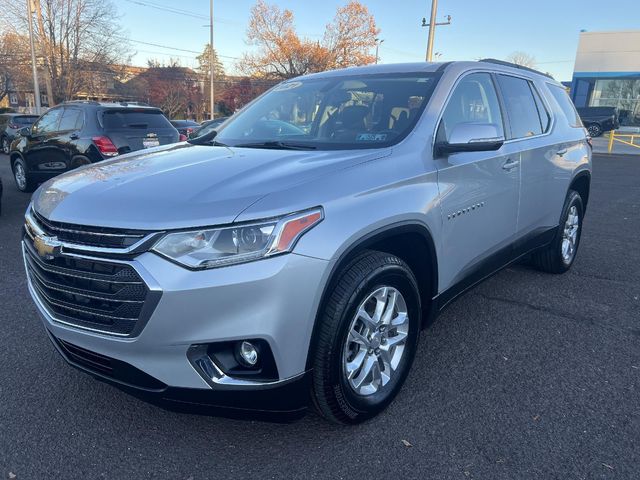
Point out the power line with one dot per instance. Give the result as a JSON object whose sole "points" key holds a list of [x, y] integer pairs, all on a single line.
{"points": [[178, 11]]}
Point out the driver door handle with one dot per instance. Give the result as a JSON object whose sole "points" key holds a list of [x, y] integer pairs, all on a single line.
{"points": [[561, 152], [510, 164]]}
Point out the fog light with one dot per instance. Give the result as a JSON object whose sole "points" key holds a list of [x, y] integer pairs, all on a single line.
{"points": [[248, 354]]}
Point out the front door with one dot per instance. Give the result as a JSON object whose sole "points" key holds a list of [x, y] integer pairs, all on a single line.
{"points": [[478, 190]]}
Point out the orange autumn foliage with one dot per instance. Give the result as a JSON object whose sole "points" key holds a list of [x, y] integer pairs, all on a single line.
{"points": [[281, 53]]}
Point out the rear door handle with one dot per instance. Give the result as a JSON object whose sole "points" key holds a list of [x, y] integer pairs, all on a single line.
{"points": [[561, 152], [510, 164]]}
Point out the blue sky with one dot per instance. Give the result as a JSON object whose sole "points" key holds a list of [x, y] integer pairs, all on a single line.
{"points": [[547, 29]]}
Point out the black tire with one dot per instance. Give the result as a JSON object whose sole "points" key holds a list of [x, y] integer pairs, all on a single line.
{"points": [[550, 259], [594, 130], [5, 146], [29, 185], [331, 393]]}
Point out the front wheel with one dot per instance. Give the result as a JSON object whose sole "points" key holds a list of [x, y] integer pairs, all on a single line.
{"points": [[367, 338], [24, 182], [559, 255]]}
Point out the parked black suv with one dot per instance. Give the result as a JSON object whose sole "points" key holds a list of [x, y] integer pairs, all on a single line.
{"points": [[599, 119], [83, 132], [10, 123]]}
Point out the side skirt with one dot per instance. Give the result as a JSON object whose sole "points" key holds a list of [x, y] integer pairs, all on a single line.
{"points": [[491, 265]]}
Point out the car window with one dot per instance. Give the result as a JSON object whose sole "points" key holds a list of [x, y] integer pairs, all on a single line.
{"points": [[342, 112], [71, 120], [566, 105], [124, 119], [543, 113], [25, 119], [48, 122], [474, 100], [521, 106]]}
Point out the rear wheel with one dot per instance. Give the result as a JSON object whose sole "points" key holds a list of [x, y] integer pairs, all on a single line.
{"points": [[594, 130], [24, 182], [559, 255], [367, 339]]}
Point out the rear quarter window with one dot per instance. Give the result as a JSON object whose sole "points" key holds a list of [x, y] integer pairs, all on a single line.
{"points": [[566, 105], [125, 119]]}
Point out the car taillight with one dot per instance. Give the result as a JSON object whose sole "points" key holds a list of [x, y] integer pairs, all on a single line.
{"points": [[189, 130], [15, 126], [106, 146], [183, 138]]}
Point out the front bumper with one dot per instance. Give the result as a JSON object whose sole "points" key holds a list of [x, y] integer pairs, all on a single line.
{"points": [[273, 299]]}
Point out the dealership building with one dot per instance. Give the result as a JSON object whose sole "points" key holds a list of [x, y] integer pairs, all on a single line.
{"points": [[607, 73]]}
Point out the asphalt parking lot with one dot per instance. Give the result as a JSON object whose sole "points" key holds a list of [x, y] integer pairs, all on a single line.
{"points": [[526, 376]]}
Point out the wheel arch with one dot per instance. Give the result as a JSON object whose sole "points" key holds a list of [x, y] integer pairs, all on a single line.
{"points": [[410, 241], [581, 183]]}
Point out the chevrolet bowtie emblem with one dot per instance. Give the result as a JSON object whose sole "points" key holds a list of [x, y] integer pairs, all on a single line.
{"points": [[46, 246]]}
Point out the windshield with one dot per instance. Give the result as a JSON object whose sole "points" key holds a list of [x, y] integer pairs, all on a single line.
{"points": [[365, 111]]}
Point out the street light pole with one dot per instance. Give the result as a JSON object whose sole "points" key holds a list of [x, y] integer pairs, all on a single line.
{"points": [[432, 28], [36, 86], [211, 60], [378, 42]]}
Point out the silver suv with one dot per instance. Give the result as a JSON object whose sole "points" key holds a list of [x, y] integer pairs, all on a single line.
{"points": [[293, 256]]}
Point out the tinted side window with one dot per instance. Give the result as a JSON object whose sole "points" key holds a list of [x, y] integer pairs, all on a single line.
{"points": [[71, 120], [521, 107], [48, 122], [561, 96], [474, 100], [543, 113]]}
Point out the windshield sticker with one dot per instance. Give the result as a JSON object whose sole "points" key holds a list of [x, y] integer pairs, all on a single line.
{"points": [[371, 137], [287, 86]]}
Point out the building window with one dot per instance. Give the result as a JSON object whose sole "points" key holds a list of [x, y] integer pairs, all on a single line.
{"points": [[13, 99], [622, 93], [44, 99]]}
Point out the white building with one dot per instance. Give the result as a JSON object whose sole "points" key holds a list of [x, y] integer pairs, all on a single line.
{"points": [[607, 73]]}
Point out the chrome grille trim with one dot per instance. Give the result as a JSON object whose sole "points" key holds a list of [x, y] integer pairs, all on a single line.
{"points": [[147, 306], [35, 225]]}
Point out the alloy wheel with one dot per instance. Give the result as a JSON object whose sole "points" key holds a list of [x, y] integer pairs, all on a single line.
{"points": [[20, 176], [376, 341], [570, 235]]}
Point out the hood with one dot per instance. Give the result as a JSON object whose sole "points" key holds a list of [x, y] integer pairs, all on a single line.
{"points": [[182, 185]]}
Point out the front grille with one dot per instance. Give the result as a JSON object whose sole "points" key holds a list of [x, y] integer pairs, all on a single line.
{"points": [[89, 236], [88, 293]]}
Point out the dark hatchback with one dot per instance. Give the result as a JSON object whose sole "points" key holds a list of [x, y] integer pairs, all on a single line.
{"points": [[10, 124], [78, 133]]}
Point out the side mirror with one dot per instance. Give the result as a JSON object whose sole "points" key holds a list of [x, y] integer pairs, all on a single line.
{"points": [[25, 132], [471, 137]]}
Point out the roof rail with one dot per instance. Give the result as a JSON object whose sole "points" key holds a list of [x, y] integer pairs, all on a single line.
{"points": [[92, 102], [514, 65]]}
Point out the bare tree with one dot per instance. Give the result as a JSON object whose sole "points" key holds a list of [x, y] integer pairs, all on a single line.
{"points": [[14, 62], [70, 35], [522, 58]]}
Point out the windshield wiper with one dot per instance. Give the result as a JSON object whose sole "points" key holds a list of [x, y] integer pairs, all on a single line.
{"points": [[278, 145]]}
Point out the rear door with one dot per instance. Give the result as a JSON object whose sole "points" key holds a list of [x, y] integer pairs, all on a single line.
{"points": [[543, 182], [132, 129], [478, 190]]}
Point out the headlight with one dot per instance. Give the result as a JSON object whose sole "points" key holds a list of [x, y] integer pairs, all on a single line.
{"points": [[218, 247]]}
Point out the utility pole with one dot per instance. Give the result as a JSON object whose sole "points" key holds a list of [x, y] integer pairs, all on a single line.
{"points": [[432, 28], [211, 59], [36, 86], [378, 42]]}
